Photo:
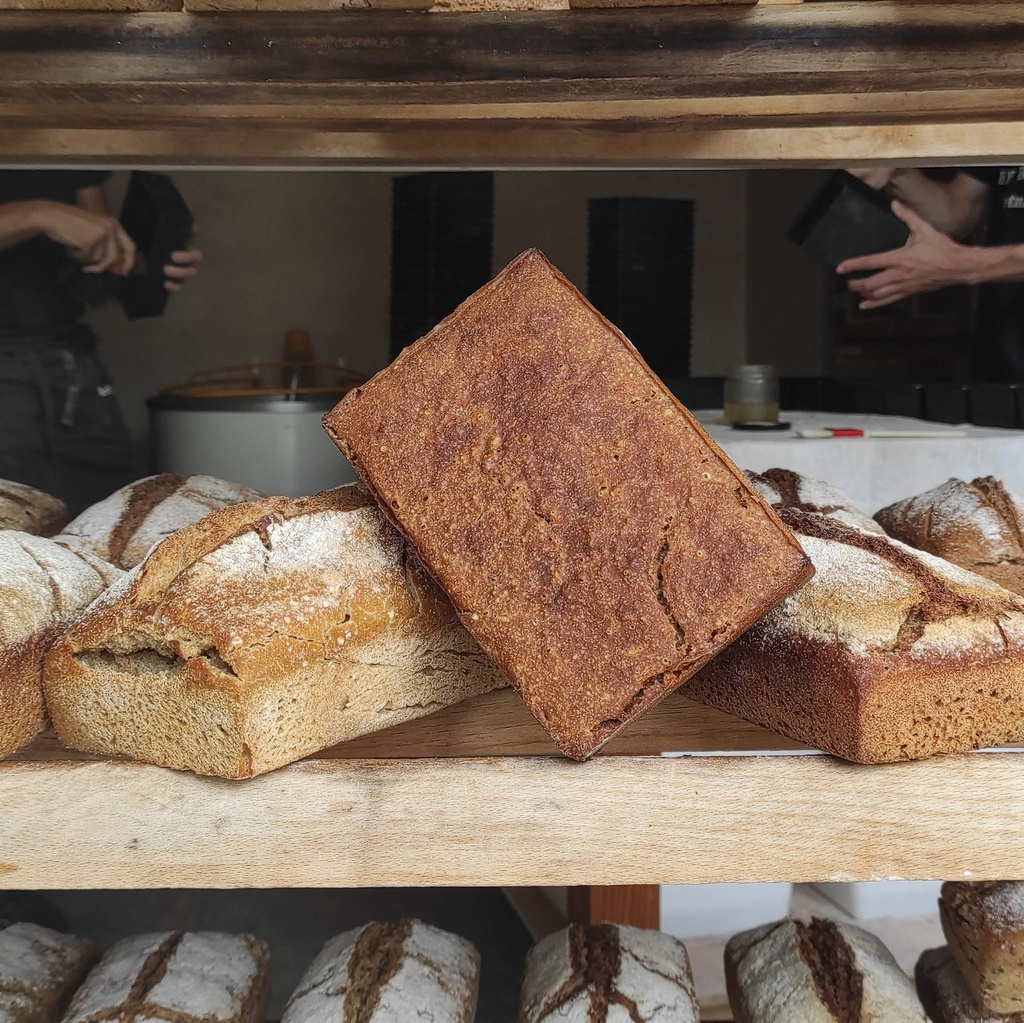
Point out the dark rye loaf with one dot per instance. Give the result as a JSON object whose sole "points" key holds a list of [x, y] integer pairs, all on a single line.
{"points": [[945, 995], [594, 540]]}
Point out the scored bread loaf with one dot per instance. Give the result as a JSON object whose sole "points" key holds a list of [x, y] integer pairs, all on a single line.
{"points": [[886, 654], [817, 972], [595, 541], [945, 995], [784, 488], [259, 635], [43, 586], [124, 527], [39, 969], [975, 525], [194, 977], [983, 921], [389, 973], [29, 510], [608, 973]]}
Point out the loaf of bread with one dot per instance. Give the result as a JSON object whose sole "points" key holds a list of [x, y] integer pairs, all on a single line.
{"points": [[608, 973], [29, 510], [261, 634], [43, 586], [945, 995], [975, 525], [817, 972], [595, 541], [196, 977], [784, 488], [39, 970], [983, 921], [389, 973], [887, 654], [124, 527]]}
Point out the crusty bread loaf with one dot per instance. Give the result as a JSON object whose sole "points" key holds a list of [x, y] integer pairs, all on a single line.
{"points": [[975, 525], [42, 586], [594, 539], [39, 969], [886, 654], [389, 973], [608, 973], [817, 972], [124, 527], [945, 995], [984, 924], [261, 634], [29, 510], [196, 977], [784, 488]]}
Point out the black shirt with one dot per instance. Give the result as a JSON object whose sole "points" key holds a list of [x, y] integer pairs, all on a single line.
{"points": [[37, 277]]}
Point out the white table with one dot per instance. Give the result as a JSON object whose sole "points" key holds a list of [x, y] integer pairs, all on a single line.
{"points": [[875, 472]]}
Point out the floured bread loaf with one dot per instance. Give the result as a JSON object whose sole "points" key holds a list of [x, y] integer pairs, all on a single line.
{"points": [[29, 510], [784, 488], [260, 634], [608, 973], [200, 977], [595, 541], [389, 973], [43, 586], [975, 525], [945, 995], [821, 972], [39, 969], [984, 924], [886, 654], [124, 527]]}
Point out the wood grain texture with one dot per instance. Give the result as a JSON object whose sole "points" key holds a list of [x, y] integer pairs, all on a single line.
{"points": [[513, 821], [680, 86]]}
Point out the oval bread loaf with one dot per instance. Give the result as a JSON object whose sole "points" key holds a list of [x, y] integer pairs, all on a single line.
{"points": [[29, 510]]}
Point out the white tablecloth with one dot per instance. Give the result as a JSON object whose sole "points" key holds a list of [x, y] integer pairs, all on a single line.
{"points": [[875, 471]]}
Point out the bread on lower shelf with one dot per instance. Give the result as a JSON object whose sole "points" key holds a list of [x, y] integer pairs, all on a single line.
{"points": [[983, 921], [39, 970], [389, 973], [945, 995], [193, 977], [29, 510], [259, 635], [817, 972], [976, 525], [887, 654], [606, 973]]}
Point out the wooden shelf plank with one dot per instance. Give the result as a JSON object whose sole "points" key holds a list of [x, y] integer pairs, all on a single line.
{"points": [[512, 821]]}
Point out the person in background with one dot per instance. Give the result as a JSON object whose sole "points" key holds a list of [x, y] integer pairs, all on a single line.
{"points": [[943, 211], [60, 426]]}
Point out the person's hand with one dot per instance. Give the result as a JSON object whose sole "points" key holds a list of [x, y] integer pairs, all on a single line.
{"points": [[184, 265], [928, 261], [99, 243], [873, 177]]}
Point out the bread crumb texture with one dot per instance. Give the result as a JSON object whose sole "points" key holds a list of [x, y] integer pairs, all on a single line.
{"points": [[595, 541], [261, 634]]}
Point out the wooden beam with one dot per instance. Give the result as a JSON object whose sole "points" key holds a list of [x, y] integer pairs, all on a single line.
{"points": [[636, 904]]}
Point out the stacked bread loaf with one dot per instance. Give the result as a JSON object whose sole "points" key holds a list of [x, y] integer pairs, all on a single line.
{"points": [[29, 510]]}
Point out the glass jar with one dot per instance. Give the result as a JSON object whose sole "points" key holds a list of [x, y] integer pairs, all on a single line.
{"points": [[752, 395]]}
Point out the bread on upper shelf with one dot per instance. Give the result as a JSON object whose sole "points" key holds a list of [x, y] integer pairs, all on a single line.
{"points": [[608, 973], [817, 972], [887, 654], [39, 969], [389, 973], [29, 510], [259, 635], [43, 586], [785, 488], [124, 527], [945, 995], [595, 541], [983, 921], [975, 525], [194, 977]]}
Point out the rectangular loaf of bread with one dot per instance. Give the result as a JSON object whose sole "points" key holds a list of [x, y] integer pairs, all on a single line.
{"points": [[261, 634], [886, 654], [593, 538]]}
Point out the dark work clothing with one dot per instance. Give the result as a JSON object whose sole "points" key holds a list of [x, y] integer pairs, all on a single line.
{"points": [[60, 426], [998, 353]]}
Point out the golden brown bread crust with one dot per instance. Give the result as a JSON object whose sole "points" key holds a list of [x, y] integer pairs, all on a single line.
{"points": [[29, 510], [887, 654], [593, 538]]}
